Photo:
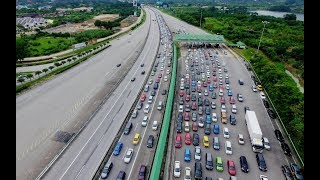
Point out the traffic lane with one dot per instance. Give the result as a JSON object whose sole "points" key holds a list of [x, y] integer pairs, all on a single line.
{"points": [[125, 90]]}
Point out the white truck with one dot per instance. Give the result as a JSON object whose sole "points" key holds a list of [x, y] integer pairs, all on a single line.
{"points": [[254, 131]]}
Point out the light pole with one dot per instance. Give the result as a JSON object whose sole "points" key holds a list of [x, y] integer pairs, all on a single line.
{"points": [[200, 16], [264, 25]]}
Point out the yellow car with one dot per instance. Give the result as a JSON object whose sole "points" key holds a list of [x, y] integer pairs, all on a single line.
{"points": [[136, 139], [259, 87], [205, 141]]}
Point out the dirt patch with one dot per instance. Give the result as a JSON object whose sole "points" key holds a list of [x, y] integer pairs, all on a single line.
{"points": [[106, 17], [128, 21]]}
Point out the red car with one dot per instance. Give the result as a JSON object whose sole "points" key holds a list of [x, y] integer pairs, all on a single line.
{"points": [[160, 75], [215, 79], [181, 93], [214, 70], [186, 116], [231, 168], [232, 101], [195, 126], [194, 106], [187, 139], [222, 100], [157, 80], [208, 81], [143, 97], [199, 89], [187, 97], [205, 84], [221, 87], [178, 141]]}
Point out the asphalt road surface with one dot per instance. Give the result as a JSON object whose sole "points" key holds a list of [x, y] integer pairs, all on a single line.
{"points": [[68, 100]]}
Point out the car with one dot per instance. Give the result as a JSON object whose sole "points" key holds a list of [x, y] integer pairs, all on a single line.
{"points": [[266, 143], [213, 105], [165, 78], [265, 103], [200, 110], [231, 167], [180, 108], [200, 122], [106, 170], [143, 72], [118, 65], [227, 86], [214, 95], [216, 143], [296, 171], [150, 82], [287, 172], [271, 113], [187, 155], [207, 111], [240, 139], [194, 116], [228, 147], [214, 117], [209, 161], [195, 139], [244, 164], [232, 119], [234, 109], [153, 93], [279, 136], [193, 97], [136, 138], [179, 127], [117, 149], [181, 101], [197, 153], [164, 92], [227, 81], [246, 108], [216, 129], [178, 142], [262, 95], [128, 155], [207, 129], [180, 117], [150, 141], [194, 126], [223, 108], [263, 177], [160, 75], [222, 100], [186, 116], [240, 97], [197, 170], [142, 172], [206, 102], [121, 175], [139, 105], [229, 92], [240, 81], [219, 164], [187, 98], [254, 88], [231, 100], [226, 133], [157, 80], [181, 93], [286, 149], [187, 139], [133, 79], [177, 169], [143, 97], [187, 175], [261, 162], [206, 93], [259, 87], [205, 141]]}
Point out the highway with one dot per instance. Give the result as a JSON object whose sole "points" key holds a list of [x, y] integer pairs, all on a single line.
{"points": [[236, 69], [143, 155], [68, 100]]}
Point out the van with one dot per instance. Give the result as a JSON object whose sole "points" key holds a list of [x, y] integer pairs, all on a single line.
{"points": [[144, 121], [186, 126], [146, 109], [216, 143], [160, 105], [209, 161], [128, 128], [155, 125], [150, 99], [134, 113]]}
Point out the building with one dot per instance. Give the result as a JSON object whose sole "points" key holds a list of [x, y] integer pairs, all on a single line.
{"points": [[31, 23]]}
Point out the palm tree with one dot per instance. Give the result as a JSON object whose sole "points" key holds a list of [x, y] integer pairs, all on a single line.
{"points": [[45, 70], [38, 73], [29, 76], [51, 67], [21, 80]]}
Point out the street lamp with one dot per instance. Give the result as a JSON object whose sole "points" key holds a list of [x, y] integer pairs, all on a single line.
{"points": [[264, 25]]}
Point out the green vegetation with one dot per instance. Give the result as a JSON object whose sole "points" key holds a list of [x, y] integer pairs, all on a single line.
{"points": [[92, 34], [282, 44]]}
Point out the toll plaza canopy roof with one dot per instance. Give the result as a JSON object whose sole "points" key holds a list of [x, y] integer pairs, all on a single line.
{"points": [[199, 38]]}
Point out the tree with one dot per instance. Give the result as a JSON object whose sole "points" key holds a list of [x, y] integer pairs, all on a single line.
{"points": [[290, 17], [45, 70], [51, 67], [22, 50], [74, 58], [69, 60], [21, 80], [38, 73], [97, 23], [57, 64], [63, 62], [29, 76]]}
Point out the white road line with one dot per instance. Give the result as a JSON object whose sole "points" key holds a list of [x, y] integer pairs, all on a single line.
{"points": [[136, 127], [80, 171]]}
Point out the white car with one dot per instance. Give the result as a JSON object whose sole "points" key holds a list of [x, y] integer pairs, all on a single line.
{"points": [[223, 108], [228, 147], [220, 92], [263, 177], [266, 143], [187, 175], [177, 169], [240, 139], [226, 133], [254, 88], [262, 95], [213, 105], [234, 109], [150, 81], [128, 156], [214, 117], [197, 153], [165, 78], [180, 108], [227, 87], [200, 123], [206, 92]]}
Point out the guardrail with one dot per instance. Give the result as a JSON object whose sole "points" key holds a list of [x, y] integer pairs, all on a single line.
{"points": [[288, 135], [156, 166]]}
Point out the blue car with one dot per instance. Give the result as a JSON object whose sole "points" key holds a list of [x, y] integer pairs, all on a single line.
{"points": [[229, 93], [155, 86], [216, 128], [208, 119], [211, 87], [193, 83], [118, 148], [187, 155]]}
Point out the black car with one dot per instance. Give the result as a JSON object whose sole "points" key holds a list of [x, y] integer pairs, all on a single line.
{"points": [[233, 119], [187, 86], [207, 110], [279, 135], [246, 108], [121, 175], [143, 72], [181, 101], [193, 97], [287, 172], [106, 170], [180, 117], [133, 79], [188, 91], [196, 140], [118, 65], [207, 129], [179, 127], [227, 81], [206, 102], [261, 162], [164, 92], [153, 93], [244, 164], [286, 149], [197, 170], [150, 141], [265, 103], [142, 65], [271, 113]]}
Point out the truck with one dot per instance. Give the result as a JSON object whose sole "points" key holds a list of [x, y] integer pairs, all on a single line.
{"points": [[254, 130]]}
